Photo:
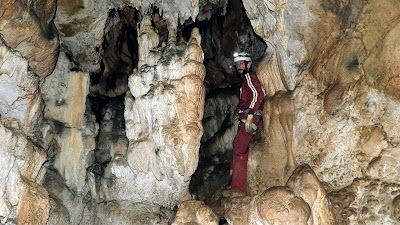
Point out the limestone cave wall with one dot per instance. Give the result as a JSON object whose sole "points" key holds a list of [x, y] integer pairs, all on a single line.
{"points": [[124, 112]]}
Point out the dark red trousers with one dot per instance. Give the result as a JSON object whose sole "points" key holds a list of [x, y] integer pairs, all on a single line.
{"points": [[240, 155]]}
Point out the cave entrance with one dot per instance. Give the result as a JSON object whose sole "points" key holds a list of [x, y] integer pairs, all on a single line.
{"points": [[119, 52], [228, 31]]}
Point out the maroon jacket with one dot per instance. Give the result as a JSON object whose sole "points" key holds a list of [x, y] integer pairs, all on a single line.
{"points": [[251, 93]]}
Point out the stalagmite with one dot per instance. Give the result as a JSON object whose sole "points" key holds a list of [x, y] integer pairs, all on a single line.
{"points": [[163, 123], [306, 185]]}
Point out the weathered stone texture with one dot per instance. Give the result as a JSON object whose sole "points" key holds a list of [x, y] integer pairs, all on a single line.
{"points": [[20, 164], [195, 212], [35, 205], [19, 96], [31, 35], [365, 201], [337, 62], [128, 213], [278, 205], [82, 27], [65, 93], [302, 201]]}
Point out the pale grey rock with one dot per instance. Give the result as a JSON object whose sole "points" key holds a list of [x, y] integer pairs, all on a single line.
{"points": [[65, 94], [146, 187], [46, 134], [148, 41], [19, 96], [20, 160], [374, 202], [142, 82], [389, 109], [131, 213], [111, 139], [278, 205], [82, 27], [66, 206], [75, 157], [357, 138], [218, 109], [335, 162], [175, 12], [386, 167]]}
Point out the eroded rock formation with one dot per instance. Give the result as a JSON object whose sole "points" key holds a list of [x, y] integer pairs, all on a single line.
{"points": [[28, 28], [21, 163], [120, 111], [19, 99], [195, 212], [302, 201], [163, 113]]}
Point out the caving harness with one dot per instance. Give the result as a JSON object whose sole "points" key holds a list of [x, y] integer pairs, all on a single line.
{"points": [[253, 125]]}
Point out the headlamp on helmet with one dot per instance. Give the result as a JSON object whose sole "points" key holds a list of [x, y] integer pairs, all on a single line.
{"points": [[241, 56]]}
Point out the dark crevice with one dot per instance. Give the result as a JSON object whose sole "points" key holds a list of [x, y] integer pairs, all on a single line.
{"points": [[109, 114], [222, 35], [119, 53], [160, 26]]}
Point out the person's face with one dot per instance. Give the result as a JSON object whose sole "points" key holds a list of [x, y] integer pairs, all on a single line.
{"points": [[241, 67]]}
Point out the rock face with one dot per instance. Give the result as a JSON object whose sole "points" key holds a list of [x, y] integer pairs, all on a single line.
{"points": [[110, 110], [220, 125], [19, 97], [302, 201], [75, 139], [29, 30], [195, 212], [74, 22], [24, 200], [338, 106]]}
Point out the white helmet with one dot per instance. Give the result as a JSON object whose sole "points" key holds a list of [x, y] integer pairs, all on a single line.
{"points": [[241, 56]]}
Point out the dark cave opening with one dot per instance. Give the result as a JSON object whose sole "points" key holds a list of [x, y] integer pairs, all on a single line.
{"points": [[111, 140], [119, 53], [222, 35]]}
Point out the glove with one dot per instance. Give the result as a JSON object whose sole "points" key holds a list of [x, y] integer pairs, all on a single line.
{"points": [[249, 123]]}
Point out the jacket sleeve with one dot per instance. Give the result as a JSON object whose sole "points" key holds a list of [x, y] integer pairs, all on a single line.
{"points": [[257, 92]]}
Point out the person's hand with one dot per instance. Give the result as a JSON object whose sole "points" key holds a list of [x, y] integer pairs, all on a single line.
{"points": [[249, 123]]}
